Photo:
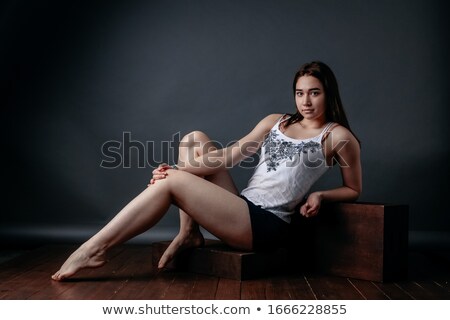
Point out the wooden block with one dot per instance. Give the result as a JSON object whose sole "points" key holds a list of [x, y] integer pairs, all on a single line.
{"points": [[362, 240], [217, 259], [365, 241]]}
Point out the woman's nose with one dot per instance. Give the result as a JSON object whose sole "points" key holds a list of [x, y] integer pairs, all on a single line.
{"points": [[306, 100]]}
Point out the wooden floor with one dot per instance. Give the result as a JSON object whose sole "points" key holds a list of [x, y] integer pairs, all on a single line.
{"points": [[129, 275]]}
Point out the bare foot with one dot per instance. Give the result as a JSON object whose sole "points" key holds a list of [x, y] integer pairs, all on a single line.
{"points": [[180, 243], [78, 260]]}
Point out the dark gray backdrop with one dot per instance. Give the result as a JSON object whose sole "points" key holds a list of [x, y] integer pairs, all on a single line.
{"points": [[76, 75]]}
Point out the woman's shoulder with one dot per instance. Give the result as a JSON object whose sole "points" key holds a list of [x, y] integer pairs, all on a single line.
{"points": [[275, 116], [271, 119], [340, 133], [268, 122]]}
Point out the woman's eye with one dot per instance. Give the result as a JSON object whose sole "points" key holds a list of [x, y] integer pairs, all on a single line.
{"points": [[314, 93], [299, 94]]}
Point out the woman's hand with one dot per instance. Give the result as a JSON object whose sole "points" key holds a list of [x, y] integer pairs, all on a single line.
{"points": [[312, 205], [159, 173]]}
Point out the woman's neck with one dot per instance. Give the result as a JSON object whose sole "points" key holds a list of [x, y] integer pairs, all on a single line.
{"points": [[312, 123]]}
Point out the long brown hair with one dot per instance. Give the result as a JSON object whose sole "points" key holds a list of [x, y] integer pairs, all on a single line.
{"points": [[334, 111]]}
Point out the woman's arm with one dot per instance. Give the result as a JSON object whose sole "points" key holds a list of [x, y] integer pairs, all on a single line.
{"points": [[343, 147], [225, 158]]}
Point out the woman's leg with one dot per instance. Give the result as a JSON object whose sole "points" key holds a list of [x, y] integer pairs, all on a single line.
{"points": [[193, 145], [219, 211]]}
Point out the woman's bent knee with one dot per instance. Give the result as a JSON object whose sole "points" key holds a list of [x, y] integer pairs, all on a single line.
{"points": [[176, 181], [196, 135], [197, 142]]}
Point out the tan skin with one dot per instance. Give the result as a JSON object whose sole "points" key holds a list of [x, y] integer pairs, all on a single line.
{"points": [[205, 193]]}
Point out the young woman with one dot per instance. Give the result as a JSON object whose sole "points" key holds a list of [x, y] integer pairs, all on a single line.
{"points": [[295, 151]]}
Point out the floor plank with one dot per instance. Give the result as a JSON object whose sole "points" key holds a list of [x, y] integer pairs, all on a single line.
{"points": [[289, 287], [228, 289], [300, 288], [393, 291], [332, 288], [278, 288], [136, 266], [253, 290], [129, 275], [204, 288], [144, 283], [14, 266], [423, 290], [33, 274], [29, 260], [433, 266], [154, 288], [368, 290], [181, 286]]}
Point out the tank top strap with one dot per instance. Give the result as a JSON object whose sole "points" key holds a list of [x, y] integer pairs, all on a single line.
{"points": [[282, 119], [326, 130]]}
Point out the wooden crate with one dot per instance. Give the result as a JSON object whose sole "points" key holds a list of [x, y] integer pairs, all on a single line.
{"points": [[366, 241], [219, 260]]}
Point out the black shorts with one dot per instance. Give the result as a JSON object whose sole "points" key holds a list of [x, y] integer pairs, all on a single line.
{"points": [[269, 231]]}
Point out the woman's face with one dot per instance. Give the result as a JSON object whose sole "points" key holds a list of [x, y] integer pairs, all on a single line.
{"points": [[310, 98]]}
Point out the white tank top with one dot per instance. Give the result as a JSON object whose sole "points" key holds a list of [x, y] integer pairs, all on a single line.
{"points": [[286, 171]]}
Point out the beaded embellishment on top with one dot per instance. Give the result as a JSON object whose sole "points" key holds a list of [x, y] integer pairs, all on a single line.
{"points": [[277, 149]]}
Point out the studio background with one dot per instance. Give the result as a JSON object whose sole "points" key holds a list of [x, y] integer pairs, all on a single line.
{"points": [[76, 75]]}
